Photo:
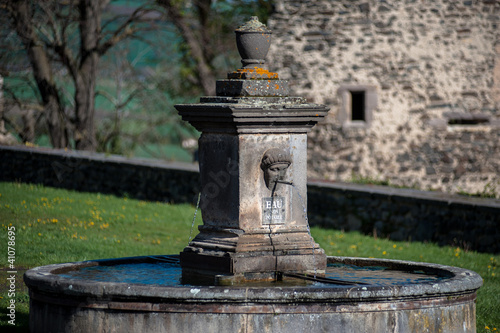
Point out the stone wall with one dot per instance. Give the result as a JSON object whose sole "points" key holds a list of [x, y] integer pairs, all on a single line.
{"points": [[404, 214], [145, 179], [435, 69], [400, 214]]}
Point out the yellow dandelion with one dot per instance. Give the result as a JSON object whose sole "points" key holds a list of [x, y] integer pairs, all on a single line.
{"points": [[384, 253], [39, 234], [394, 246]]}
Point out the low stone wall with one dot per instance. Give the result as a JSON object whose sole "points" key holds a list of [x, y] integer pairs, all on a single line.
{"points": [[405, 214], [93, 172], [399, 214]]}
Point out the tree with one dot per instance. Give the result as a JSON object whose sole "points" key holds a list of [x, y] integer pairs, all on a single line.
{"points": [[69, 35], [56, 46], [206, 26]]}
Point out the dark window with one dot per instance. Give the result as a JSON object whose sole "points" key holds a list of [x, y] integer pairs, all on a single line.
{"points": [[358, 105], [468, 121]]}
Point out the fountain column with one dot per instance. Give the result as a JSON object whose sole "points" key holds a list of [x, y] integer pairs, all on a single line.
{"points": [[253, 166]]}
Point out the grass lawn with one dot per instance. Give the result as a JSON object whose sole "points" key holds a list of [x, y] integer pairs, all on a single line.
{"points": [[55, 226]]}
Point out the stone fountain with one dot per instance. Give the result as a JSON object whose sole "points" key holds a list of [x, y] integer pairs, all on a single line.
{"points": [[254, 266], [252, 153]]}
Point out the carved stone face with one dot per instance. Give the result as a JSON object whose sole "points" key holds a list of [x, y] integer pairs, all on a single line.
{"points": [[274, 164], [274, 173]]}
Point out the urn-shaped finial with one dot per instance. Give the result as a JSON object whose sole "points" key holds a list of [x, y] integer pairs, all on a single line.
{"points": [[253, 40]]}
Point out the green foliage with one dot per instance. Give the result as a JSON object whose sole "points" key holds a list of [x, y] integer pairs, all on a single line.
{"points": [[369, 180], [491, 190], [358, 179]]}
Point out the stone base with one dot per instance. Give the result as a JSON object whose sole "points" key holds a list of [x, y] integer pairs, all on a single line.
{"points": [[215, 253], [59, 304], [206, 267]]}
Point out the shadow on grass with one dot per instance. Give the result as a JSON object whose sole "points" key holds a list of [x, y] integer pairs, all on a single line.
{"points": [[21, 321]]}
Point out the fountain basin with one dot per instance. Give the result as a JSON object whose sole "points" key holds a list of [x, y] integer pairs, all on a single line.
{"points": [[439, 299]]}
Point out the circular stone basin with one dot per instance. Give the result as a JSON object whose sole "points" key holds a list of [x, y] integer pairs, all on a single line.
{"points": [[145, 294]]}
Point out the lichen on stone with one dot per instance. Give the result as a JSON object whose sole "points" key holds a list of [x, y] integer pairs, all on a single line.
{"points": [[254, 25]]}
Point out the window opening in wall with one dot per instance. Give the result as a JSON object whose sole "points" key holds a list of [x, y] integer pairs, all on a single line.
{"points": [[358, 106], [468, 121], [358, 102]]}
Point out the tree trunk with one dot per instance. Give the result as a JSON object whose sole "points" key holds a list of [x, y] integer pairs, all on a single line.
{"points": [[205, 74], [54, 111], [28, 134], [85, 80], [42, 71]]}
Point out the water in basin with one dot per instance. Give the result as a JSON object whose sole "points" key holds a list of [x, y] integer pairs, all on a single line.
{"points": [[169, 273]]}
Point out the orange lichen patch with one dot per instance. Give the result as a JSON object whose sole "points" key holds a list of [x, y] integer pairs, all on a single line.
{"points": [[277, 86], [255, 72]]}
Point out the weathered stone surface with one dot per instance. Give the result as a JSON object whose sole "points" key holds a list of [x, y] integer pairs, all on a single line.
{"points": [[235, 238], [447, 305], [403, 214], [258, 88], [436, 69], [253, 147]]}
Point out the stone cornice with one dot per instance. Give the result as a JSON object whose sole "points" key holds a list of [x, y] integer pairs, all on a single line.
{"points": [[245, 118]]}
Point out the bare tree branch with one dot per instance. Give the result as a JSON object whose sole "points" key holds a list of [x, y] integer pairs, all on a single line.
{"points": [[125, 30], [205, 75]]}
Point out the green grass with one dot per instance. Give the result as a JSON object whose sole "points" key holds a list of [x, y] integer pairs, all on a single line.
{"points": [[55, 226]]}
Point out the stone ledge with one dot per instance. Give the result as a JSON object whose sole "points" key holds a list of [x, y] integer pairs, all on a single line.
{"points": [[407, 194]]}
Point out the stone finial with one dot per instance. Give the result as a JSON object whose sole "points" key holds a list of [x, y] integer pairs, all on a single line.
{"points": [[253, 40]]}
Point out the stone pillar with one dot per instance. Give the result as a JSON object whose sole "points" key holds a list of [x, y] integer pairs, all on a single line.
{"points": [[253, 166]]}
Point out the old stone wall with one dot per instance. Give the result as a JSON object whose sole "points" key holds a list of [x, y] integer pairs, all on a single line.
{"points": [[400, 214], [146, 179], [432, 71], [405, 214]]}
